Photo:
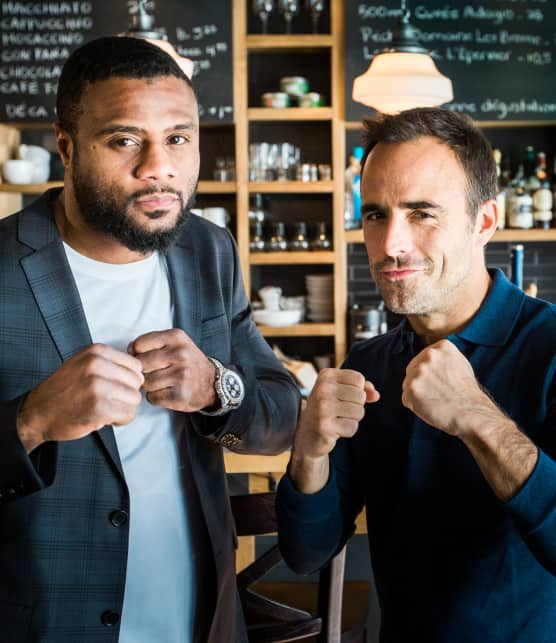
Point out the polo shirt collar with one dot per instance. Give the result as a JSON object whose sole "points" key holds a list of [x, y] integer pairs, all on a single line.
{"points": [[492, 325]]}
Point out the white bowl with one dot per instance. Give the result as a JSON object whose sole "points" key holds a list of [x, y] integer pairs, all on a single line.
{"points": [[277, 317], [18, 171]]}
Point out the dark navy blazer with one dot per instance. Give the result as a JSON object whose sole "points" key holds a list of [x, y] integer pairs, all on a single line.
{"points": [[62, 551]]}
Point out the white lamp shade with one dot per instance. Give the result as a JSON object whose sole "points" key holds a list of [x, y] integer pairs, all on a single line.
{"points": [[396, 81], [185, 64]]}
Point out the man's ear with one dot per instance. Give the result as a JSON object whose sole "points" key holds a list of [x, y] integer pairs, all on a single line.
{"points": [[65, 145], [487, 221]]}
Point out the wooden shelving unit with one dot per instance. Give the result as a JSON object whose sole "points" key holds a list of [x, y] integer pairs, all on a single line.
{"points": [[331, 116], [290, 114], [299, 330], [291, 187], [291, 258], [294, 42]]}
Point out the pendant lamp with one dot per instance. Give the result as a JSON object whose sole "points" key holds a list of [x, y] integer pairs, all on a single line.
{"points": [[403, 75], [142, 26]]}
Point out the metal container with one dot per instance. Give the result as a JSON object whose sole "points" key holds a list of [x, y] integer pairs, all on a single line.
{"points": [[275, 99], [294, 85], [312, 99]]}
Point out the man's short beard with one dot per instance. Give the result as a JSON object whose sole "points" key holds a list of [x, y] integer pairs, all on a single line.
{"points": [[102, 213]]}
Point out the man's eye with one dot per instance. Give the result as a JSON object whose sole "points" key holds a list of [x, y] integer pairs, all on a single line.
{"points": [[373, 216], [422, 214], [177, 139], [124, 141]]}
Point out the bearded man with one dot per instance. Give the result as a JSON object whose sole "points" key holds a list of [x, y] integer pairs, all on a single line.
{"points": [[128, 359]]}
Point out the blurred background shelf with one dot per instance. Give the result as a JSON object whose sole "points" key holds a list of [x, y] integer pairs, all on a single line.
{"points": [[291, 258], [299, 330], [507, 235]]}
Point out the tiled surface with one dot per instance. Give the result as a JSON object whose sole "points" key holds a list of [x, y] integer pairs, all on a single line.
{"points": [[539, 266]]}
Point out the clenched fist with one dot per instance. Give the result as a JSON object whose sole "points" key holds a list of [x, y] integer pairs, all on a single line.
{"points": [[178, 375], [440, 387], [99, 385], [334, 409]]}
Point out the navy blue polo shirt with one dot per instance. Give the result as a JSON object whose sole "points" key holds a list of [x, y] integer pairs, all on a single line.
{"points": [[452, 563]]}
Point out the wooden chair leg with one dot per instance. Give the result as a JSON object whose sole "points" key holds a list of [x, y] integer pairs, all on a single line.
{"points": [[330, 596]]}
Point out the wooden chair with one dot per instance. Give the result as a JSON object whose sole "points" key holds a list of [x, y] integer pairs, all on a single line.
{"points": [[268, 620]]}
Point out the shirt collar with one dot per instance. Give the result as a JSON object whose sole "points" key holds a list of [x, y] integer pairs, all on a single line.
{"points": [[492, 325]]}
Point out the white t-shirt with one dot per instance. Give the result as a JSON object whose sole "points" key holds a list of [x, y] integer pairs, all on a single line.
{"points": [[122, 302]]}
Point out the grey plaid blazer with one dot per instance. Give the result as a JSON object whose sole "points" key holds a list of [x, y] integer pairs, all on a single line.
{"points": [[62, 548]]}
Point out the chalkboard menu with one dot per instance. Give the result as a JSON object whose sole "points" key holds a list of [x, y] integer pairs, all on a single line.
{"points": [[37, 37], [499, 54]]}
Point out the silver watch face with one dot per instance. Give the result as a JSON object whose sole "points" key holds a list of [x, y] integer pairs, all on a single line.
{"points": [[232, 386]]}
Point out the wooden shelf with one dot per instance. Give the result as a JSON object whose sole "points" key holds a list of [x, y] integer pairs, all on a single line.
{"points": [[524, 235], [290, 258], [293, 42], [299, 330], [216, 187], [501, 236], [291, 187], [353, 236], [290, 114], [30, 188]]}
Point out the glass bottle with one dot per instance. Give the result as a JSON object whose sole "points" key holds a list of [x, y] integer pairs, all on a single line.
{"points": [[321, 240], [257, 210], [501, 191], [277, 241], [542, 196], [256, 237], [299, 240], [531, 180], [352, 190], [520, 203]]}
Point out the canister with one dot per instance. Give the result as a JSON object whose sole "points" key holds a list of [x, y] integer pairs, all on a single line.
{"points": [[275, 99], [294, 85], [311, 99]]}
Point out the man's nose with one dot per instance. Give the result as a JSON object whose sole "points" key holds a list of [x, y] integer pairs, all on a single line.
{"points": [[398, 236], [155, 164]]}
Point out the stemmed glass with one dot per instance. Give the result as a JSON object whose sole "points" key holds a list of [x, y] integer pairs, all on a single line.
{"points": [[263, 8], [316, 7], [289, 8]]}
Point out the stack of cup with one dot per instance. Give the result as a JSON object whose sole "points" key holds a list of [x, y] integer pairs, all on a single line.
{"points": [[320, 299]]}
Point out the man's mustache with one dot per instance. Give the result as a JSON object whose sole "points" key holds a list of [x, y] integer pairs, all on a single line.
{"points": [[400, 263]]}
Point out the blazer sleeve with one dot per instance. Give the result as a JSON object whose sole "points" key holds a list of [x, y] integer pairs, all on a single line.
{"points": [[21, 473], [266, 420]]}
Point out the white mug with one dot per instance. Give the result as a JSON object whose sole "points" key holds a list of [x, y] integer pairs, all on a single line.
{"points": [[219, 216], [18, 171], [270, 296]]}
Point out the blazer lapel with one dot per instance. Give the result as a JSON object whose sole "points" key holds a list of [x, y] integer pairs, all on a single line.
{"points": [[185, 285], [55, 291]]}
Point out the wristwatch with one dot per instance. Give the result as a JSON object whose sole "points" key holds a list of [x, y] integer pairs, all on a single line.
{"points": [[229, 388]]}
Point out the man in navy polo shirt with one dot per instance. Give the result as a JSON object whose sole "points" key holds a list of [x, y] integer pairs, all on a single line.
{"points": [[444, 428]]}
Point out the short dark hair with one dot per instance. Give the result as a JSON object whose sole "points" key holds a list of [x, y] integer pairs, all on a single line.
{"points": [[455, 130], [104, 58]]}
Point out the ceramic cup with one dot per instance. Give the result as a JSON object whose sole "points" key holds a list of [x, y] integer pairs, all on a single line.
{"points": [[18, 171], [270, 296], [219, 216]]}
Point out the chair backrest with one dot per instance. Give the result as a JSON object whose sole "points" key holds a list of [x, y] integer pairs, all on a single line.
{"points": [[269, 621]]}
